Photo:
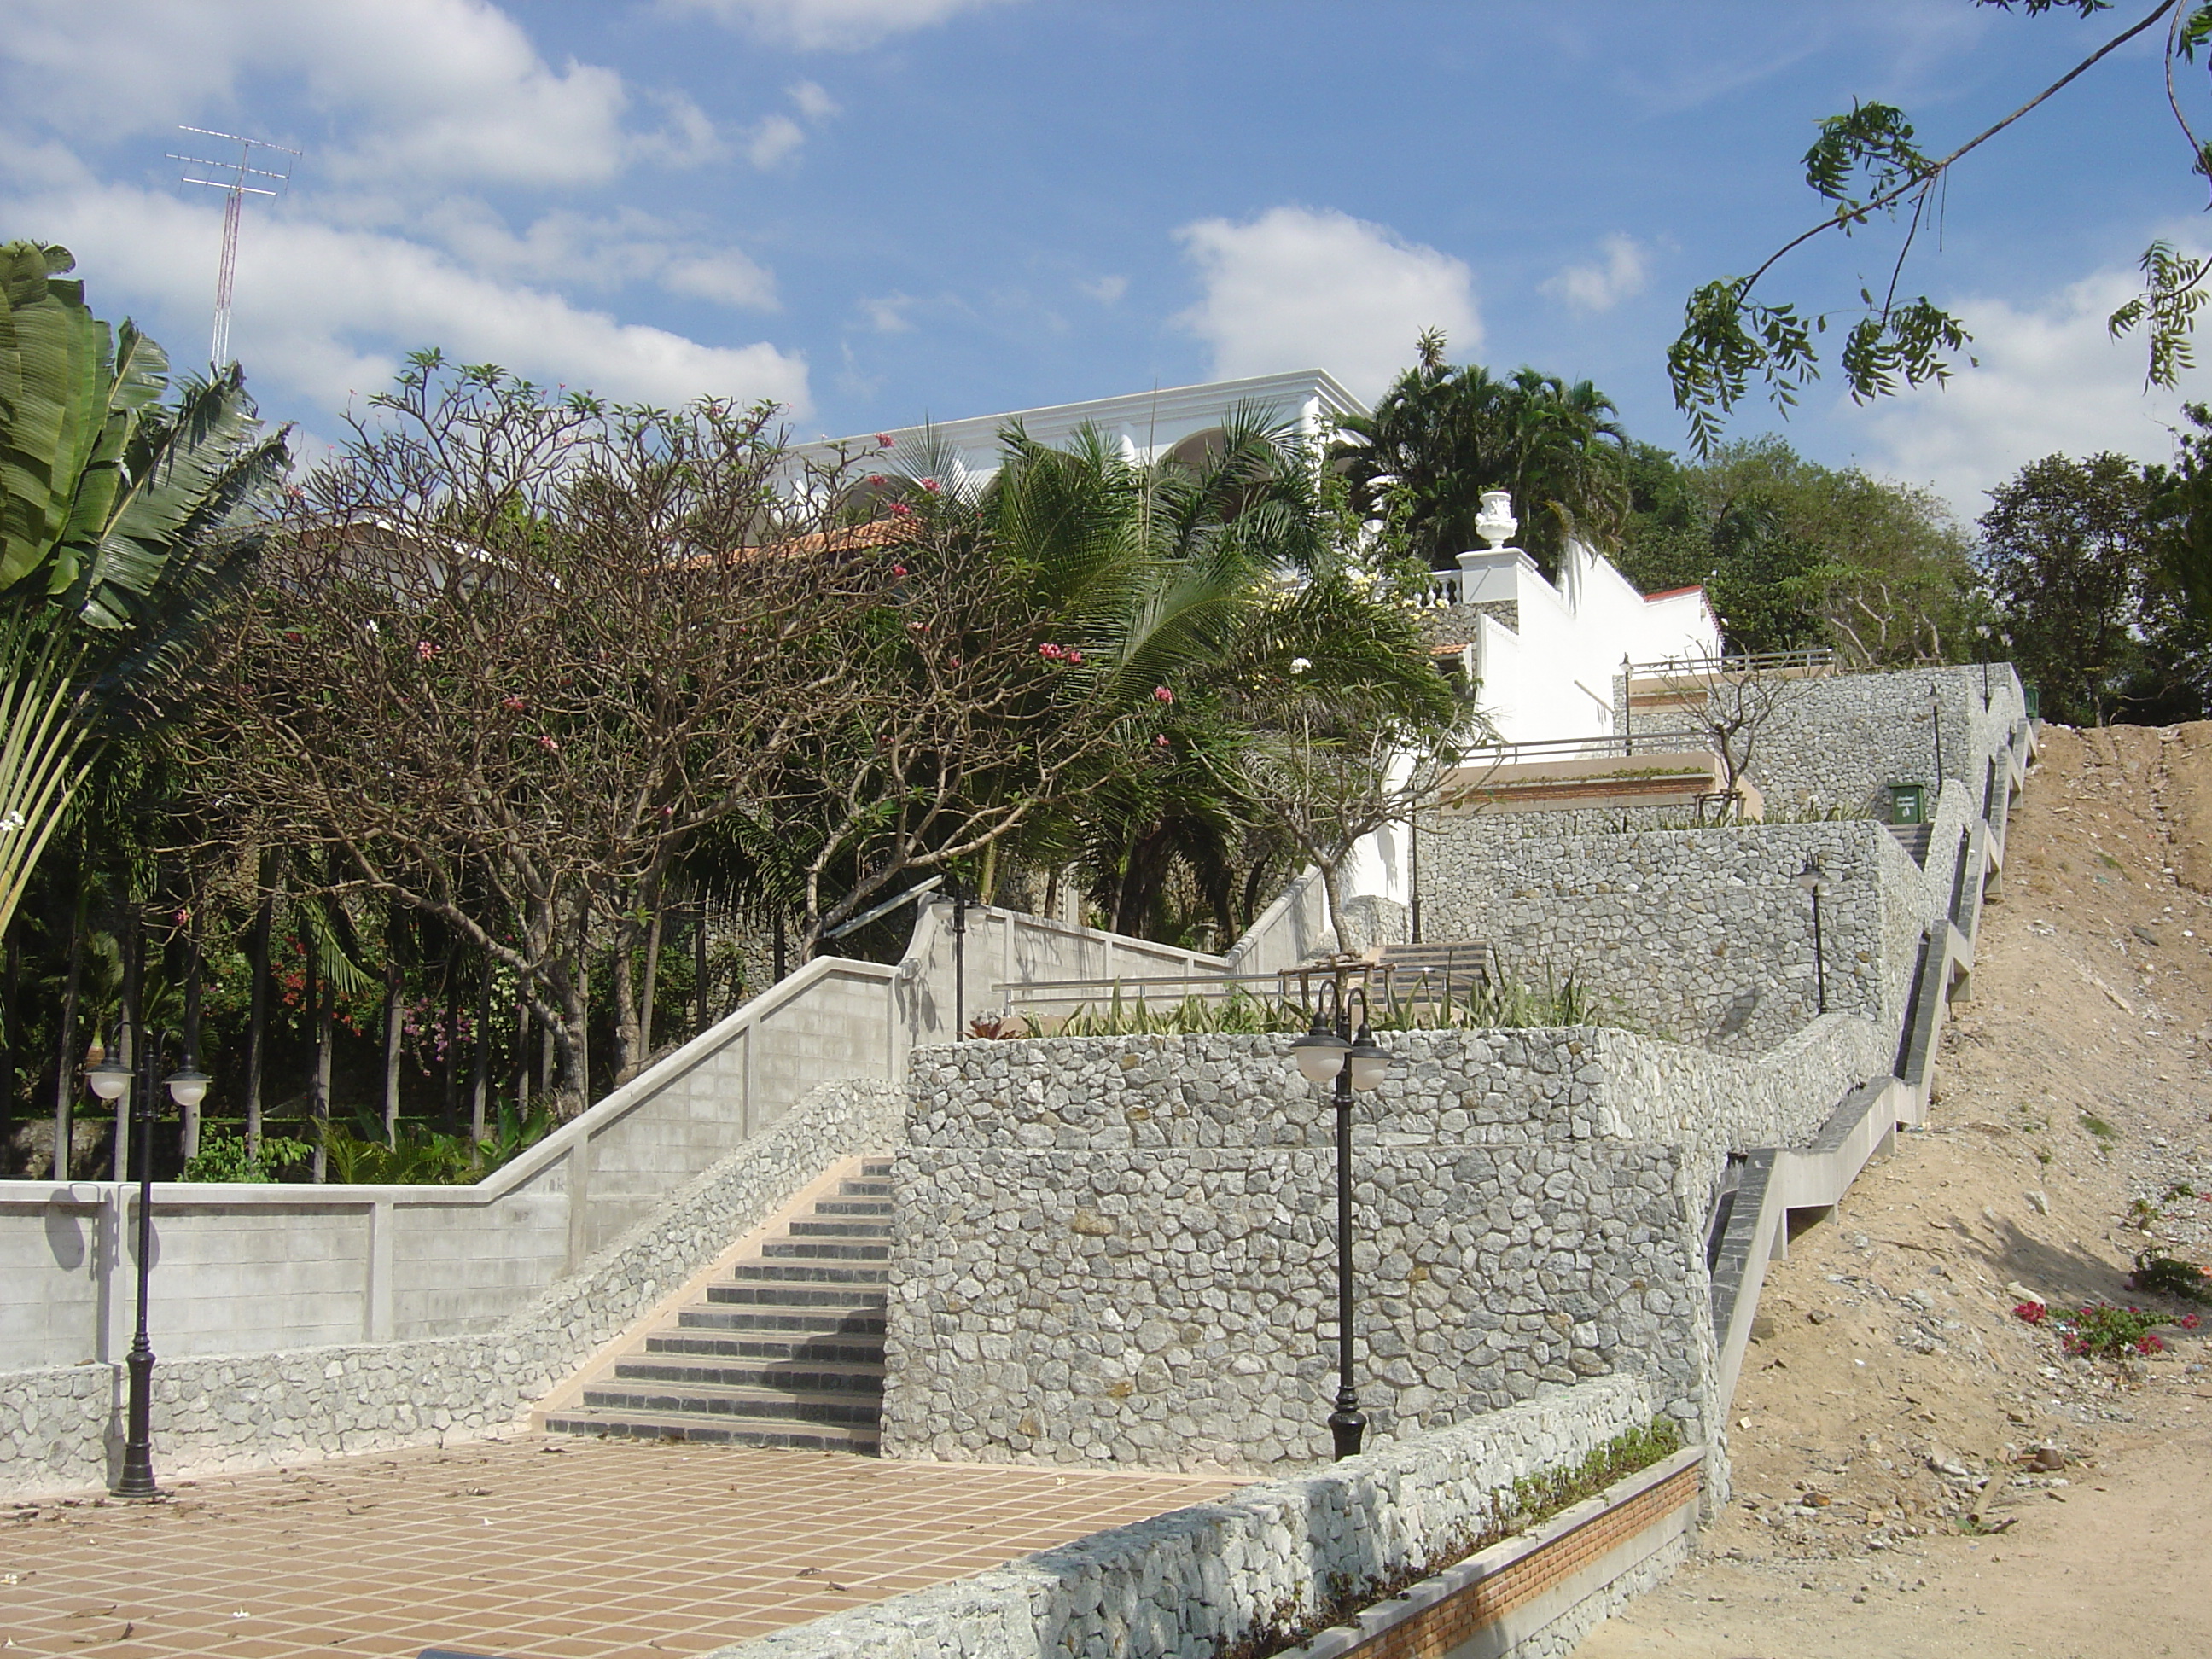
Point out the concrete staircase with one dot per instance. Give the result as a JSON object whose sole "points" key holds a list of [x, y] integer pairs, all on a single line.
{"points": [[780, 1344], [1914, 839]]}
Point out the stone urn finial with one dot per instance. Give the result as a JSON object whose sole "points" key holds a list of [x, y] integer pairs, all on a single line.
{"points": [[1496, 524]]}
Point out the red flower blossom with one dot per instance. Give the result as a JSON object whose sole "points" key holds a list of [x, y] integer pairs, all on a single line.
{"points": [[2033, 1312], [514, 703], [1161, 693], [930, 484], [424, 650], [1161, 741], [883, 441], [551, 745], [898, 570], [901, 510]]}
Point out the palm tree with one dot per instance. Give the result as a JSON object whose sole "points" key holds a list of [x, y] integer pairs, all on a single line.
{"points": [[124, 522], [1441, 435]]}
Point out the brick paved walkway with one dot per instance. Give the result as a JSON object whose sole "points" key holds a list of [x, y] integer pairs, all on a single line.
{"points": [[539, 1548]]}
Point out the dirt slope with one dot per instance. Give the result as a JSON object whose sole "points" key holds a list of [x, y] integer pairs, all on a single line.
{"points": [[1881, 1505]]}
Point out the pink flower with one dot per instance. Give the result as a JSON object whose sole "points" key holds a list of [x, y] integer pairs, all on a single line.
{"points": [[1074, 656], [883, 441], [930, 484], [183, 916], [901, 510], [424, 650], [2189, 1322], [898, 570], [551, 745], [917, 627], [514, 703], [1161, 693], [878, 479], [2033, 1312], [2150, 1344], [1161, 741], [1050, 652]]}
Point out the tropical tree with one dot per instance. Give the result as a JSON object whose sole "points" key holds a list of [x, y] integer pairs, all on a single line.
{"points": [[1869, 162], [2073, 556], [1443, 435], [124, 522]]}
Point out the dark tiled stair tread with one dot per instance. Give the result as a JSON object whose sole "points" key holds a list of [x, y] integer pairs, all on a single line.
{"points": [[811, 1271], [859, 1410], [878, 1169], [787, 1352], [822, 1249], [722, 1430], [863, 1321], [836, 1349], [783, 1376]]}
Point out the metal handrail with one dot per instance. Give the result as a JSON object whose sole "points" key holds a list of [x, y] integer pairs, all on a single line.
{"points": [[1605, 746], [1816, 656]]}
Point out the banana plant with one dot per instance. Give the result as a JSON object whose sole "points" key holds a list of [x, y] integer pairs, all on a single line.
{"points": [[125, 521]]}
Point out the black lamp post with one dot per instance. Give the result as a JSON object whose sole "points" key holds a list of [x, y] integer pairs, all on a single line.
{"points": [[1330, 1053], [1815, 881], [188, 1086]]}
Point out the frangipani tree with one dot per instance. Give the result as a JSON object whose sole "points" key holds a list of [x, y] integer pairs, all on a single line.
{"points": [[123, 520]]}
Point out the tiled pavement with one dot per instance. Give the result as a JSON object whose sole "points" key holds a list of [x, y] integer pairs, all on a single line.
{"points": [[537, 1548]]}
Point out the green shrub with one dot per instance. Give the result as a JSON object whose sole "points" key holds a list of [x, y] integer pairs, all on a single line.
{"points": [[224, 1157], [429, 1158]]}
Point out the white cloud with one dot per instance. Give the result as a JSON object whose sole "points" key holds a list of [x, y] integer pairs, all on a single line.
{"points": [[435, 90], [831, 25], [813, 103], [326, 313], [2049, 379], [1601, 286], [1107, 290], [888, 315], [727, 278], [1301, 287], [774, 141]]}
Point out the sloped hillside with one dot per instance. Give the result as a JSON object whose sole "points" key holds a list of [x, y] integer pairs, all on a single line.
{"points": [[1894, 1409]]}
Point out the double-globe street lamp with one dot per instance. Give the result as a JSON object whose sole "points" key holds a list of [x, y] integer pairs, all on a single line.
{"points": [[1330, 1053], [187, 1085]]}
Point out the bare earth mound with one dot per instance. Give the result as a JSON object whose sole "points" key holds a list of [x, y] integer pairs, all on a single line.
{"points": [[1889, 1416]]}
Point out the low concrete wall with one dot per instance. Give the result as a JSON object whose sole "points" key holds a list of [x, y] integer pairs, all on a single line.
{"points": [[250, 1268], [58, 1426], [1120, 1249], [1199, 1579]]}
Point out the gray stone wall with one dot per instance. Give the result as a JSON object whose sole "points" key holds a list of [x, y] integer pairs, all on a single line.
{"points": [[1698, 935], [57, 1427], [1120, 1249], [1839, 741], [1196, 1580]]}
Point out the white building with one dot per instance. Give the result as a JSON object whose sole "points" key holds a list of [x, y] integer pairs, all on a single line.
{"points": [[1542, 653]]}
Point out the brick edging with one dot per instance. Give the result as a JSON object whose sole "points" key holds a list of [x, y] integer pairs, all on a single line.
{"points": [[1452, 1607]]}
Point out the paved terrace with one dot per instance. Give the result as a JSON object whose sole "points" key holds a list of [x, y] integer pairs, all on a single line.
{"points": [[534, 1548]]}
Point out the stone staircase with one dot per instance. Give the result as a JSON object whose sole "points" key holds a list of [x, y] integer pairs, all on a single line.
{"points": [[782, 1346], [1914, 839]]}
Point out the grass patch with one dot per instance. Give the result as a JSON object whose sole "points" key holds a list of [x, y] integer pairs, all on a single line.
{"points": [[2097, 1127], [1506, 1003], [1526, 1503]]}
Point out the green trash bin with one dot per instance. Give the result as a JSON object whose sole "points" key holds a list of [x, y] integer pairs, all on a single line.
{"points": [[1908, 803]]}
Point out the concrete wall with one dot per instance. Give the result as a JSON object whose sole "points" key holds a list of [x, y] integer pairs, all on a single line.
{"points": [[58, 1424], [1201, 1579], [1700, 935], [1118, 1249]]}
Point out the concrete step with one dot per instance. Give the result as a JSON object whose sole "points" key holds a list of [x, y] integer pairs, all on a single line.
{"points": [[778, 1375], [837, 1348], [842, 1409], [867, 1206], [821, 1250], [841, 1226], [811, 1270], [721, 1431], [876, 1169], [816, 1299], [867, 1321], [864, 1189]]}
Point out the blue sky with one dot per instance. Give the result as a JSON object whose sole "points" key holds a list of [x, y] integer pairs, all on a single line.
{"points": [[879, 209]]}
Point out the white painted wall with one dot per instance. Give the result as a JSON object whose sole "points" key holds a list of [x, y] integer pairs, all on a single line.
{"points": [[1552, 676]]}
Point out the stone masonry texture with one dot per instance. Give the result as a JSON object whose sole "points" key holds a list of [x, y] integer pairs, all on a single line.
{"points": [[1120, 1249], [1190, 1581]]}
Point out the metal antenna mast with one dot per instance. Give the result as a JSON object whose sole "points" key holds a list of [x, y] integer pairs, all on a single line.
{"points": [[235, 190]]}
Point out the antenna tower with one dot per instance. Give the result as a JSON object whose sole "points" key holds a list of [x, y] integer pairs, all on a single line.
{"points": [[235, 190]]}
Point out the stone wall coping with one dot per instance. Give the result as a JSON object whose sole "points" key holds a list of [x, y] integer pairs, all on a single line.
{"points": [[1383, 1616]]}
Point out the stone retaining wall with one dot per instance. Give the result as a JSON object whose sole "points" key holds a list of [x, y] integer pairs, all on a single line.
{"points": [[1700, 935], [58, 1430], [1120, 1249], [1195, 1580]]}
